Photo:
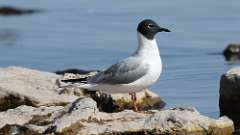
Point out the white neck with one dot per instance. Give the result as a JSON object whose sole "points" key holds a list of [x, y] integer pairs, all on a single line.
{"points": [[146, 47]]}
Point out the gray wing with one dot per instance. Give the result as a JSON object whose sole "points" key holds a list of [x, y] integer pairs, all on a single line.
{"points": [[124, 72]]}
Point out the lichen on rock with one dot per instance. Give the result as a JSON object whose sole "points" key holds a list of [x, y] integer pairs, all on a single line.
{"points": [[83, 117], [40, 105], [22, 86]]}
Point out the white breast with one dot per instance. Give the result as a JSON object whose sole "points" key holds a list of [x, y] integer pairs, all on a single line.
{"points": [[149, 54]]}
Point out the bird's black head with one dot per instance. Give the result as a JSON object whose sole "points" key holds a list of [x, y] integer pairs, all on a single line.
{"points": [[149, 28]]}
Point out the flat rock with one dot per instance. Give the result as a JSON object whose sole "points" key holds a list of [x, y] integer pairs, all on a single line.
{"points": [[24, 114], [20, 86], [229, 101], [83, 117]]}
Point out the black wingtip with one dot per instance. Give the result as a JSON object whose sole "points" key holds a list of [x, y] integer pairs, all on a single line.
{"points": [[75, 71], [79, 80]]}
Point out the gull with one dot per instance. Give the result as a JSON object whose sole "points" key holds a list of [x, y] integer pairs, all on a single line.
{"points": [[134, 73]]}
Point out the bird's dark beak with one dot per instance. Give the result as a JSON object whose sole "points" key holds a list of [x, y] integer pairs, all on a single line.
{"points": [[163, 29]]}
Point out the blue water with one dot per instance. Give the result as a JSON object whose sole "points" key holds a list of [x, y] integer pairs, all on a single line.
{"points": [[94, 34]]}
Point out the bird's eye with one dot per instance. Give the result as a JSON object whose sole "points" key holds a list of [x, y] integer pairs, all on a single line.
{"points": [[149, 25]]}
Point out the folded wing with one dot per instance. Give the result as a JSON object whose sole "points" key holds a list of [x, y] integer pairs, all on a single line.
{"points": [[124, 72]]}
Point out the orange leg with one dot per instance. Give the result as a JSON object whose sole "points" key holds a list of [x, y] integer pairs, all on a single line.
{"points": [[134, 101]]}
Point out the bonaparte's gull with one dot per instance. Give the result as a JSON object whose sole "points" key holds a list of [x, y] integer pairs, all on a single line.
{"points": [[134, 73]]}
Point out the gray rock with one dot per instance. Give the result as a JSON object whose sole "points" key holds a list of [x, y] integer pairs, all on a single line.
{"points": [[80, 110], [13, 121], [176, 121], [83, 117], [20, 86], [230, 95]]}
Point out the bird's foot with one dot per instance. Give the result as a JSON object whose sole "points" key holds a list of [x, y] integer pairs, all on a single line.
{"points": [[134, 101]]}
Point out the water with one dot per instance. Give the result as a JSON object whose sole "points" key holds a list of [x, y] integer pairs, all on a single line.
{"points": [[94, 34]]}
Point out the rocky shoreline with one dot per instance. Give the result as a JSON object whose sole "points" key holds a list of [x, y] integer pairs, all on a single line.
{"points": [[82, 117], [36, 102]]}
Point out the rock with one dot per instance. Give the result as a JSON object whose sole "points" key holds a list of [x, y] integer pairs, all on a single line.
{"points": [[83, 117], [20, 86], [48, 106], [13, 120], [232, 52], [7, 10], [26, 114], [146, 99], [183, 121], [82, 109], [229, 101]]}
